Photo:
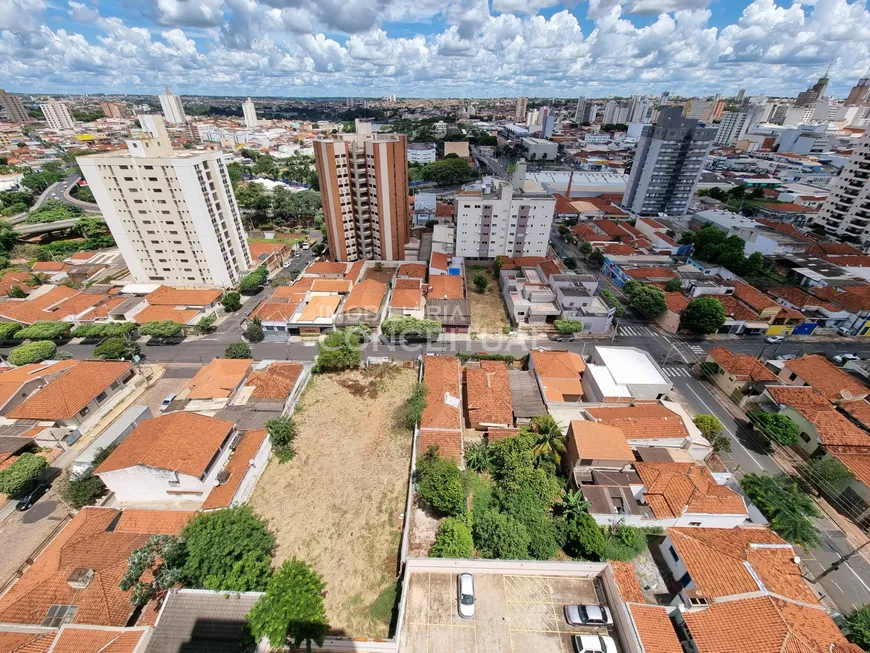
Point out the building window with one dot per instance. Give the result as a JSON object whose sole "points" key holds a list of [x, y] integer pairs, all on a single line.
{"points": [[806, 438], [101, 396], [673, 553], [694, 523], [84, 411]]}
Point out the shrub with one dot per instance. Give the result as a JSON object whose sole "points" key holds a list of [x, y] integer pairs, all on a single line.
{"points": [[16, 292], [481, 283], [117, 349], [8, 330], [206, 323], [624, 543], [611, 300], [439, 484], [21, 474], [674, 285], [454, 540], [788, 509], [282, 432], [103, 330], [254, 280], [339, 350], [237, 350], [45, 331], [857, 626], [776, 426], [568, 326], [584, 538], [231, 301], [32, 352], [477, 457], [825, 472], [481, 356], [542, 536], [161, 329], [81, 491], [501, 536], [410, 326], [415, 405], [254, 331], [708, 425]]}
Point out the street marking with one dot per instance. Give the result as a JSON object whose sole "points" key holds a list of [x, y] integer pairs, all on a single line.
{"points": [[855, 573], [677, 371], [733, 435]]}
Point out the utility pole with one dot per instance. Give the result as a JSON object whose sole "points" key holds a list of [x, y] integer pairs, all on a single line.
{"points": [[668, 353], [615, 329]]}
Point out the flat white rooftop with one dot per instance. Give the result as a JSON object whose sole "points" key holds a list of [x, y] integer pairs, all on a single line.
{"points": [[629, 366]]}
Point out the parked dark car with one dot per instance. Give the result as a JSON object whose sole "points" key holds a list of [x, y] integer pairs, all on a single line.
{"points": [[26, 502]]}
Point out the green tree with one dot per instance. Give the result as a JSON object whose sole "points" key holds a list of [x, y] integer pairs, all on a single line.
{"points": [[596, 258], [8, 329], [253, 281], [674, 285], [439, 484], [631, 287], [32, 352], [231, 301], [21, 474], [449, 171], [84, 194], [292, 608], [206, 323], [857, 626], [568, 326], [161, 329], [282, 432], [703, 315], [572, 504], [584, 538], [776, 426], [40, 181], [16, 292], [117, 349], [228, 549], [549, 441], [708, 425], [401, 325], [586, 249], [81, 491], [501, 536], [785, 505], [45, 331], [650, 301], [481, 283], [237, 350], [454, 540], [477, 457], [826, 472], [338, 351], [254, 331]]}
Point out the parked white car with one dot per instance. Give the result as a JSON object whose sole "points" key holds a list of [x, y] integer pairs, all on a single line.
{"points": [[594, 644], [772, 340], [465, 600], [588, 615], [842, 358]]}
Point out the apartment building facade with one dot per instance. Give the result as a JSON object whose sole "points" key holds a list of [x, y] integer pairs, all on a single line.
{"points": [[15, 110], [667, 165], [520, 109], [500, 220], [57, 115], [364, 185], [249, 111], [735, 124], [846, 212], [173, 214], [173, 110]]}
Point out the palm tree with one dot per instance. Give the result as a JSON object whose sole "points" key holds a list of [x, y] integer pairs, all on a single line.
{"points": [[37, 279], [551, 442], [477, 457], [572, 504]]}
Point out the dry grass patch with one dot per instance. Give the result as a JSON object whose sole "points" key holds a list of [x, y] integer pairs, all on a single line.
{"points": [[338, 503], [488, 314]]}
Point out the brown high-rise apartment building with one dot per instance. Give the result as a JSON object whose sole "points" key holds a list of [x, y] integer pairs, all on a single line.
{"points": [[113, 110], [859, 96], [364, 185], [15, 111]]}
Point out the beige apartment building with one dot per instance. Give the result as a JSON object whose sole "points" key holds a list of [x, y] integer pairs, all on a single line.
{"points": [[172, 213], [57, 115], [14, 107], [364, 185], [845, 214]]}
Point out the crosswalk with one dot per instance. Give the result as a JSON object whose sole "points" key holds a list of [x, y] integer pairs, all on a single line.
{"points": [[639, 331], [696, 349], [676, 371]]}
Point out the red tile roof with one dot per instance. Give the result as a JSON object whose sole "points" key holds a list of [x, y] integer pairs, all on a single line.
{"points": [[651, 273], [219, 378], [366, 296], [645, 421], [734, 310], [443, 286], [559, 373], [276, 381], [831, 381], [415, 270], [594, 441], [675, 489], [439, 261], [753, 297], [627, 582], [441, 378], [237, 466], [165, 313], [79, 639], [199, 297], [676, 302], [327, 268], [742, 366], [488, 394], [655, 629]]}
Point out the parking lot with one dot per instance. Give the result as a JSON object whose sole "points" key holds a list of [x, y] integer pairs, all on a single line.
{"points": [[512, 613]]}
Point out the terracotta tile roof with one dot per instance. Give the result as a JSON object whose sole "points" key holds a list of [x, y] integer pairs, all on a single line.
{"points": [[825, 377], [646, 421], [407, 297], [102, 310], [168, 296], [752, 297], [509, 263], [180, 442], [673, 489], [836, 432], [50, 266], [613, 229], [789, 313], [559, 373], [725, 562], [257, 249], [276, 311], [439, 261], [353, 272], [302, 286], [82, 256], [14, 279], [742, 366], [655, 629], [331, 285], [449, 443], [796, 297], [443, 286], [443, 210], [618, 248], [494, 435], [218, 379], [326, 267], [488, 394], [590, 235], [853, 300], [651, 273], [734, 310], [158, 522], [441, 377], [415, 270], [598, 441], [676, 302], [318, 307], [548, 268], [19, 642], [11, 378], [51, 306], [69, 393], [850, 261], [858, 410], [366, 296], [237, 466], [857, 463], [87, 542], [765, 625], [275, 381], [627, 582], [406, 284], [803, 398], [165, 313], [98, 640]]}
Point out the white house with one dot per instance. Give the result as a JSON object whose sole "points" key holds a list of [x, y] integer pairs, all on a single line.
{"points": [[623, 374], [173, 458]]}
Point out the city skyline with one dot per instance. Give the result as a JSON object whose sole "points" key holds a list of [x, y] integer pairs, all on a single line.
{"points": [[465, 48]]}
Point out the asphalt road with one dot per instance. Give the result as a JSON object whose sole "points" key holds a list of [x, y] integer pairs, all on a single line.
{"points": [[849, 586]]}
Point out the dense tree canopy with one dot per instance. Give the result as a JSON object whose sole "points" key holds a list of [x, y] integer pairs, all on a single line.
{"points": [[703, 315]]}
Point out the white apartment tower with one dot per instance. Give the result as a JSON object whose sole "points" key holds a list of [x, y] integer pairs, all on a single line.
{"points": [[250, 113], [504, 219], [735, 125], [57, 115], [172, 213], [173, 110], [15, 110], [364, 185], [846, 212]]}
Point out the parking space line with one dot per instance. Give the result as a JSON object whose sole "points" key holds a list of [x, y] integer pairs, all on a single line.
{"points": [[508, 625], [555, 614]]}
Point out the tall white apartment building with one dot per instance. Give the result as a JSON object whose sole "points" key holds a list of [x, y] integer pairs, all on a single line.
{"points": [[735, 124], [172, 213], [173, 110], [57, 115], [615, 113], [250, 113], [846, 212], [15, 110], [504, 219]]}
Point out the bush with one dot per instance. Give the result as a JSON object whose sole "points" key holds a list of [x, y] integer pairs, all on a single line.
{"points": [[439, 484], [788, 509], [161, 329], [568, 326], [237, 350], [624, 542], [825, 473], [410, 326], [611, 300], [16, 292], [481, 283], [477, 457], [254, 280], [254, 331], [8, 330], [206, 323], [415, 405], [674, 285], [81, 491], [45, 331], [584, 538], [501, 536], [32, 352], [776, 426], [117, 349], [454, 540], [103, 330], [708, 425], [231, 301], [542, 536], [339, 350], [481, 356], [857, 626], [21, 474], [282, 432]]}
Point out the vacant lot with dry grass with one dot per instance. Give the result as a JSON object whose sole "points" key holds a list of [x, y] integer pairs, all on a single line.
{"points": [[487, 308], [338, 503]]}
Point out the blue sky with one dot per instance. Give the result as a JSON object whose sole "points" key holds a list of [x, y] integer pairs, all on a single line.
{"points": [[431, 48]]}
